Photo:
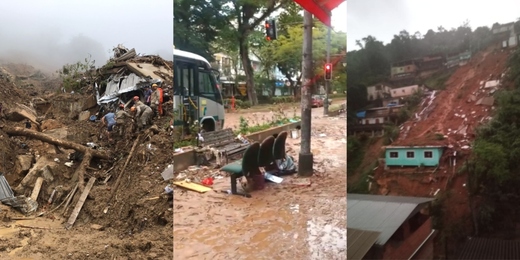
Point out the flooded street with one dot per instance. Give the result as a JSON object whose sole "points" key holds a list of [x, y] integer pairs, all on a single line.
{"points": [[284, 220]]}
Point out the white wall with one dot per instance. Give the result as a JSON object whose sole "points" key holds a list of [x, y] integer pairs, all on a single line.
{"points": [[372, 121]]}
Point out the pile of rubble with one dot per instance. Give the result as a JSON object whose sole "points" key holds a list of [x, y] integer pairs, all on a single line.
{"points": [[57, 166], [127, 72]]}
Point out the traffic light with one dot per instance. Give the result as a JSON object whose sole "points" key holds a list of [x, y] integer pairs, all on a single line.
{"points": [[328, 71], [270, 30]]}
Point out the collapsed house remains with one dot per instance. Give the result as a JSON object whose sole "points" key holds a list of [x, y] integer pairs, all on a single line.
{"points": [[128, 72]]}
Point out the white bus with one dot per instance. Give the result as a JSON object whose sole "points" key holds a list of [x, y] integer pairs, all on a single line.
{"points": [[197, 96]]}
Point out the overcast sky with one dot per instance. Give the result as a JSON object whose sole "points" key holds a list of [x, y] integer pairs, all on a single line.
{"points": [[51, 33], [385, 18], [339, 17]]}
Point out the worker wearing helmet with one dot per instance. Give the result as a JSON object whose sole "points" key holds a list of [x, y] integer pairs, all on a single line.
{"points": [[156, 100], [143, 114], [135, 101], [121, 119]]}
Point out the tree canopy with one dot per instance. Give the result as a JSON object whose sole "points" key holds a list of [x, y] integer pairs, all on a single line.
{"points": [[197, 25]]}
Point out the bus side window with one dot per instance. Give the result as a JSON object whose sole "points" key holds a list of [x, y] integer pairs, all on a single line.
{"points": [[206, 87], [188, 81]]}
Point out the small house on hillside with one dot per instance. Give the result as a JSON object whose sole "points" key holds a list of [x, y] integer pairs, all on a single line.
{"points": [[389, 227], [404, 69], [378, 91], [406, 91], [431, 62], [506, 34], [457, 59], [378, 115], [373, 120], [413, 155]]}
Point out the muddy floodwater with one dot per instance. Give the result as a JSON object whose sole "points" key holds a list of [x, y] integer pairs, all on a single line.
{"points": [[282, 221]]}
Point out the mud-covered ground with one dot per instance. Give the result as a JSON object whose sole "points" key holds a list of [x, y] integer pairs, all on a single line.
{"points": [[283, 221], [138, 223]]}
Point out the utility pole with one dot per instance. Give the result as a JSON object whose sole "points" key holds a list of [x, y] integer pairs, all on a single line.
{"points": [[327, 82], [305, 158]]}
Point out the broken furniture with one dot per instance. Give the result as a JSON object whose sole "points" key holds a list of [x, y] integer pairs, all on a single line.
{"points": [[266, 155], [283, 162], [247, 167], [222, 143]]}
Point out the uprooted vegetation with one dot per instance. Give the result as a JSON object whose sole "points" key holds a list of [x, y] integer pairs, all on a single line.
{"points": [[114, 188]]}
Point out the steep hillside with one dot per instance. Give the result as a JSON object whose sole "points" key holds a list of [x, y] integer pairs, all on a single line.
{"points": [[448, 118]]}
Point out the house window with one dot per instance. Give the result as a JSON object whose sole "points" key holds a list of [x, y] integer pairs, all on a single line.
{"points": [[410, 154], [394, 155], [428, 154]]}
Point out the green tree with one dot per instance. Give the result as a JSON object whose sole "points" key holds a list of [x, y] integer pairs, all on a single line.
{"points": [[197, 25], [77, 76], [245, 16]]}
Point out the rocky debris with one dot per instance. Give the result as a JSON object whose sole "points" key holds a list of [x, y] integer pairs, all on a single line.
{"points": [[23, 163], [97, 227], [21, 112], [42, 168], [58, 133], [84, 116]]}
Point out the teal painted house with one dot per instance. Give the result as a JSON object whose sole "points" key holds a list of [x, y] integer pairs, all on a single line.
{"points": [[413, 155]]}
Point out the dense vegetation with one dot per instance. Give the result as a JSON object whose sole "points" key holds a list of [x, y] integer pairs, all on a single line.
{"points": [[493, 172]]}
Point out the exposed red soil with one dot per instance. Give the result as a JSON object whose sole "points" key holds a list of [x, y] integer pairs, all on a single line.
{"points": [[452, 111]]}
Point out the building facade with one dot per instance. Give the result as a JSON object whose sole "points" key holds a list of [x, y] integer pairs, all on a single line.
{"points": [[413, 155]]}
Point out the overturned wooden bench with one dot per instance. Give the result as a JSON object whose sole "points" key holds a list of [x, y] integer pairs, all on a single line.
{"points": [[223, 142]]}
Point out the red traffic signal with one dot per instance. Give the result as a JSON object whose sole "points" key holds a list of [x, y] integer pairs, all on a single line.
{"points": [[328, 71], [270, 30]]}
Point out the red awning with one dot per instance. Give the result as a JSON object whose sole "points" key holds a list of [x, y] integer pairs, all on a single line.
{"points": [[321, 9]]}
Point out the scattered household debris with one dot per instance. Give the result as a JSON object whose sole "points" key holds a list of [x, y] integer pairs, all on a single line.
{"points": [[167, 173], [192, 186]]}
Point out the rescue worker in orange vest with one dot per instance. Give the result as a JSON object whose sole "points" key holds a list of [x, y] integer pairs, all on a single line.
{"points": [[157, 100]]}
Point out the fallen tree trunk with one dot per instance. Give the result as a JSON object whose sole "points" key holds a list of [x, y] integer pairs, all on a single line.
{"points": [[18, 131], [80, 171]]}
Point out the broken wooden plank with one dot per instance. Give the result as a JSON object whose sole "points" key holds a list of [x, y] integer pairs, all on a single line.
{"points": [[36, 189], [73, 192], [80, 203]]}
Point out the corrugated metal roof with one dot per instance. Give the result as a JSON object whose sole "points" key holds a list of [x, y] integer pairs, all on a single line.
{"points": [[383, 214], [359, 242], [484, 248], [5, 189]]}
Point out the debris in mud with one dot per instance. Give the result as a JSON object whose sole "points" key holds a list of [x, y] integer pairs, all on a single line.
{"points": [[301, 181], [167, 173], [21, 203], [97, 227]]}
